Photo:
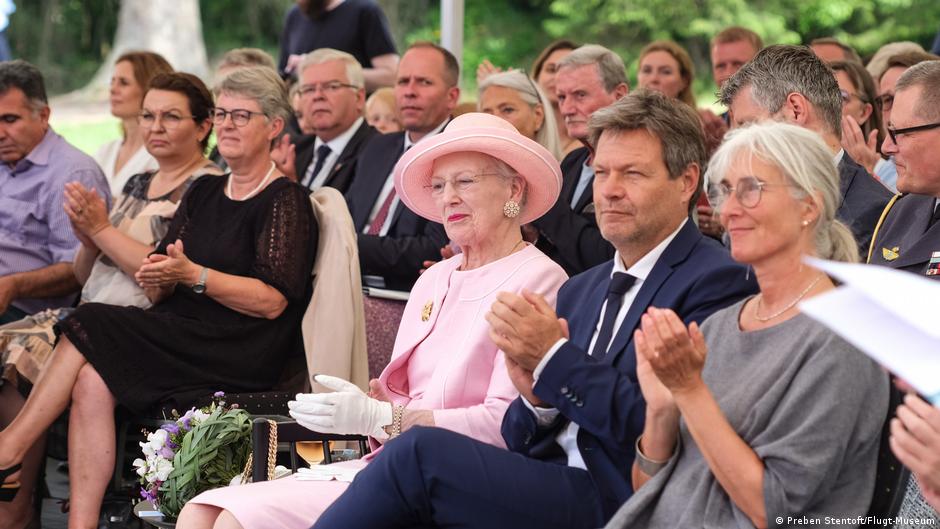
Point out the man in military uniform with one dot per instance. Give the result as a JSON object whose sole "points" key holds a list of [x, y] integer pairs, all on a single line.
{"points": [[908, 236]]}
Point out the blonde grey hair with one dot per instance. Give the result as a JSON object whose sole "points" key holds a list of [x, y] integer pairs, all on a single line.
{"points": [[610, 66], [529, 91], [354, 74], [263, 85], [879, 61], [806, 163]]}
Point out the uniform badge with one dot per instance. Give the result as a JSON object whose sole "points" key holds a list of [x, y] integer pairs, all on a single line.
{"points": [[426, 311], [933, 267], [890, 255]]}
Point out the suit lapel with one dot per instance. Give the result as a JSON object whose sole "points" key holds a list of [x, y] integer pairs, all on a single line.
{"points": [[918, 243], [847, 171], [677, 251], [595, 301], [383, 168]]}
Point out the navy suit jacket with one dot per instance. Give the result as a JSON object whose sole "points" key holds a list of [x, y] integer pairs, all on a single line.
{"points": [[570, 236], [695, 276], [863, 200], [411, 239], [341, 175]]}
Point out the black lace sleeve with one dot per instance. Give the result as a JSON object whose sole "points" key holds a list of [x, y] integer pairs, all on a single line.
{"points": [[286, 245]]}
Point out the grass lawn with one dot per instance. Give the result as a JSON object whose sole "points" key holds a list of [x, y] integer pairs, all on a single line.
{"points": [[88, 135]]}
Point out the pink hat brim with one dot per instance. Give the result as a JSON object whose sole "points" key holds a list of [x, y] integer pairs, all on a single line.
{"points": [[530, 159]]}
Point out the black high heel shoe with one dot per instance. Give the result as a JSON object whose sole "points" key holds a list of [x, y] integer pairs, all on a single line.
{"points": [[8, 490]]}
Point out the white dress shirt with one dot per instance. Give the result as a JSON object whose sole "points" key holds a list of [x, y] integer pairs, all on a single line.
{"points": [[337, 145], [568, 438]]}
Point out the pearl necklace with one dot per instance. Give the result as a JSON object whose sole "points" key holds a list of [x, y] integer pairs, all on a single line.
{"points": [[259, 187], [788, 307]]}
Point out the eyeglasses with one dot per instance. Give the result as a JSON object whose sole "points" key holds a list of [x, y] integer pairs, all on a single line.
{"points": [[748, 192], [886, 101], [328, 87], [847, 97], [461, 183], [240, 116], [894, 133], [169, 120]]}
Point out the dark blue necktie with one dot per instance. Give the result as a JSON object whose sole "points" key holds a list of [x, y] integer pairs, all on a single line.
{"points": [[323, 152], [619, 285]]}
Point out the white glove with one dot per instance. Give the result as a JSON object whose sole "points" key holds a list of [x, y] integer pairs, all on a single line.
{"points": [[347, 411]]}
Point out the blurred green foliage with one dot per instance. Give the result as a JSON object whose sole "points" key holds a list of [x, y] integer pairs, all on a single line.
{"points": [[68, 39]]}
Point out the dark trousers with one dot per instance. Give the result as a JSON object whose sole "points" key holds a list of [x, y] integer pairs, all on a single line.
{"points": [[431, 477]]}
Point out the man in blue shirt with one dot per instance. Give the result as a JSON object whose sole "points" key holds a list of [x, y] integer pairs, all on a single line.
{"points": [[37, 243]]}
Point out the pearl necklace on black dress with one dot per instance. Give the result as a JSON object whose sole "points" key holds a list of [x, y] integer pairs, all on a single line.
{"points": [[253, 192]]}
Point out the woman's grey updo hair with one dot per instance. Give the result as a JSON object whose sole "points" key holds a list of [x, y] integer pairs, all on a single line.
{"points": [[807, 164], [263, 85]]}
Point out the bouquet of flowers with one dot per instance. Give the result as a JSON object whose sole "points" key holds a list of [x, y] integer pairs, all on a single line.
{"points": [[201, 450]]}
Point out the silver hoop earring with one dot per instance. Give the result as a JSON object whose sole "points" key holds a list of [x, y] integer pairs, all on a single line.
{"points": [[511, 209]]}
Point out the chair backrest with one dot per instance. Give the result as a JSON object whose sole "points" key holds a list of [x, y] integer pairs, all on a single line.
{"points": [[890, 476], [334, 326]]}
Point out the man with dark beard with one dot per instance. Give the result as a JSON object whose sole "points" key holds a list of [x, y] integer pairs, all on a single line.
{"points": [[358, 27]]}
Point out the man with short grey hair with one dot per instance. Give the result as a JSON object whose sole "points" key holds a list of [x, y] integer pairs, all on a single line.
{"points": [[909, 235], [37, 243], [589, 78], [332, 101], [791, 84]]}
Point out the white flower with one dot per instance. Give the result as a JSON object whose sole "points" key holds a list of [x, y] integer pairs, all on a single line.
{"points": [[163, 469], [157, 439], [141, 466], [200, 415]]}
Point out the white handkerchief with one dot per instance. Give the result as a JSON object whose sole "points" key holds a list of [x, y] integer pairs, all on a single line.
{"points": [[327, 473]]}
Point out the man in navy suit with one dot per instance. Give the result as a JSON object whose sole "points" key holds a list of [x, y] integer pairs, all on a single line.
{"points": [[393, 241], [571, 433], [791, 84], [589, 78], [332, 99]]}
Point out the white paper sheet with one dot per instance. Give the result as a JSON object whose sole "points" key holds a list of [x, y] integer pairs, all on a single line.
{"points": [[892, 316]]}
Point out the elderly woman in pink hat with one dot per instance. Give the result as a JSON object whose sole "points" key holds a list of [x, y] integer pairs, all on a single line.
{"points": [[482, 180]]}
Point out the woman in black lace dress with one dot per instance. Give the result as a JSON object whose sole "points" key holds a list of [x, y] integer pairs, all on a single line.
{"points": [[230, 283]]}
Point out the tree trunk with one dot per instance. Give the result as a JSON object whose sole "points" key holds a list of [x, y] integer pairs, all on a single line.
{"points": [[171, 28]]}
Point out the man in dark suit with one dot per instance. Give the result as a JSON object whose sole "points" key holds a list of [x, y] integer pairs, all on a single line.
{"points": [[571, 434], [908, 237], [393, 241], [790, 83], [332, 99], [589, 78]]}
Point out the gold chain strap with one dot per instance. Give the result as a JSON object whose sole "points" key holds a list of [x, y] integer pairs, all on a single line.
{"points": [[272, 448], [272, 455]]}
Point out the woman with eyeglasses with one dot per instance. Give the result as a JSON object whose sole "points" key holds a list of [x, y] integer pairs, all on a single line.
{"points": [[229, 283], [113, 244], [762, 417], [862, 129], [516, 98], [122, 158]]}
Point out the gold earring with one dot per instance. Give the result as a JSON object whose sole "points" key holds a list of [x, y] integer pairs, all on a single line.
{"points": [[511, 209]]}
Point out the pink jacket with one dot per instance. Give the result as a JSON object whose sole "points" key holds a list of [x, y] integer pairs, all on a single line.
{"points": [[469, 389]]}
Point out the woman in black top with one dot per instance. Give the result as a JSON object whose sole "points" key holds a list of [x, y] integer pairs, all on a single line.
{"points": [[230, 283]]}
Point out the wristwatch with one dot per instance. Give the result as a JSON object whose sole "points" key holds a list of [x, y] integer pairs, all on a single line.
{"points": [[199, 287]]}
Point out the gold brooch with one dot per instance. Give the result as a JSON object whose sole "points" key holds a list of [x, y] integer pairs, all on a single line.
{"points": [[890, 255], [426, 311]]}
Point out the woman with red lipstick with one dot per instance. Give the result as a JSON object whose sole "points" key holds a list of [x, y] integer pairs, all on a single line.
{"points": [[113, 246], [763, 417], [122, 158], [482, 179], [229, 282]]}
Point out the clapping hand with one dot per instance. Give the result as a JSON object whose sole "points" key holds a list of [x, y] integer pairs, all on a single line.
{"points": [[348, 410], [861, 149], [675, 354], [284, 156], [165, 271], [86, 210], [524, 327]]}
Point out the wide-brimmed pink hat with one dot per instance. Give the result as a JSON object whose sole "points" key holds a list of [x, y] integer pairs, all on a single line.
{"points": [[488, 134]]}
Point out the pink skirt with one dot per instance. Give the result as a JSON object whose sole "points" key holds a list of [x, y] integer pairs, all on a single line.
{"points": [[286, 503]]}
